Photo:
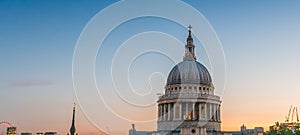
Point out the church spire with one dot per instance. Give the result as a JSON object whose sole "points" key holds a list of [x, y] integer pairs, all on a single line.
{"points": [[73, 129], [189, 47]]}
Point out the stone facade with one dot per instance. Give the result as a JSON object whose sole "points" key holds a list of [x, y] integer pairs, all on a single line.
{"points": [[189, 105]]}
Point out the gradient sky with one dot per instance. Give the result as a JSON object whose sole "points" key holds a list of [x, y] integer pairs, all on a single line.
{"points": [[37, 40]]}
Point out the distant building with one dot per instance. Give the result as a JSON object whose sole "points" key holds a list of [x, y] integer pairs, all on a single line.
{"points": [[245, 131], [11, 131], [133, 131], [26, 133], [50, 133], [259, 129]]}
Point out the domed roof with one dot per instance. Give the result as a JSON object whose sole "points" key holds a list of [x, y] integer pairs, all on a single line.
{"points": [[189, 72]]}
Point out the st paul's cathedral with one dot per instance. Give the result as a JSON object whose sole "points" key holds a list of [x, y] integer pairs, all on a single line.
{"points": [[189, 105]]}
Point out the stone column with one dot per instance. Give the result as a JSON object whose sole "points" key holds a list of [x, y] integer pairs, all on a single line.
{"points": [[193, 111], [207, 111], [158, 113], [199, 111], [219, 112], [215, 112], [174, 111], [186, 110], [162, 112], [169, 111], [180, 111], [165, 112], [210, 111]]}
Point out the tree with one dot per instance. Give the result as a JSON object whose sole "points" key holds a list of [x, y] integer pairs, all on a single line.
{"points": [[281, 129]]}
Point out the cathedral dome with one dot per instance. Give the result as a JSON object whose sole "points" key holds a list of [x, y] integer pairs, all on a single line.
{"points": [[189, 72], [189, 105]]}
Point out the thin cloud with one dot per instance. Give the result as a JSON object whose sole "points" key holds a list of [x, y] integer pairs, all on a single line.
{"points": [[31, 83]]}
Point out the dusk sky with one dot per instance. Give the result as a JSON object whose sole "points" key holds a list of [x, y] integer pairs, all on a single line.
{"points": [[260, 41]]}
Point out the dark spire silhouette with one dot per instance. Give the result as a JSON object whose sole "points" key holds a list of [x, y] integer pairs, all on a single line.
{"points": [[73, 129]]}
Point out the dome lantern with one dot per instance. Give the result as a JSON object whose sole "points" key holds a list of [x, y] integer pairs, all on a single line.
{"points": [[189, 47]]}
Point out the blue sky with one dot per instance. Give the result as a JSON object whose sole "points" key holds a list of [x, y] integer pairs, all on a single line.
{"points": [[37, 40]]}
